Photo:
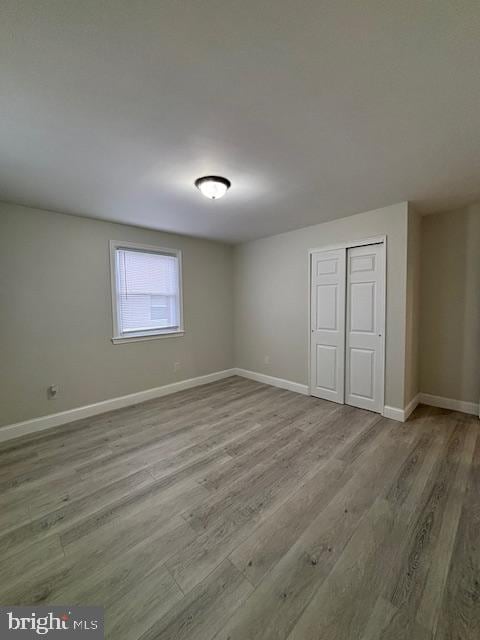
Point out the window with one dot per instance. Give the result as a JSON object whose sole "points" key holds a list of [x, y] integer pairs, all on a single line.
{"points": [[160, 307], [146, 291]]}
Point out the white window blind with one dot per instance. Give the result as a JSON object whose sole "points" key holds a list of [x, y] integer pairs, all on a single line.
{"points": [[147, 291]]}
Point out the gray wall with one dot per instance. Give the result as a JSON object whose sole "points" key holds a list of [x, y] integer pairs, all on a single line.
{"points": [[271, 296], [450, 310], [412, 345], [56, 318]]}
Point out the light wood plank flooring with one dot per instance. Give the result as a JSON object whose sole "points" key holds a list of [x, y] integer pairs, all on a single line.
{"points": [[238, 511]]}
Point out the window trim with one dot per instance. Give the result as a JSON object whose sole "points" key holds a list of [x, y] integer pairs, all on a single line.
{"points": [[151, 334]]}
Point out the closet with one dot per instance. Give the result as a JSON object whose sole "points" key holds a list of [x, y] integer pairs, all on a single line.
{"points": [[347, 324]]}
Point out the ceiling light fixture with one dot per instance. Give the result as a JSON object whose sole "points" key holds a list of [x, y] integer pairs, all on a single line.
{"points": [[213, 187]]}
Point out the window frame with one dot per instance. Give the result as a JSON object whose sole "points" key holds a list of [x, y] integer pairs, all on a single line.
{"points": [[151, 334]]}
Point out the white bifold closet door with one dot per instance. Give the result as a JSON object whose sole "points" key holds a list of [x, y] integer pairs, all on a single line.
{"points": [[364, 327], [347, 315], [327, 345]]}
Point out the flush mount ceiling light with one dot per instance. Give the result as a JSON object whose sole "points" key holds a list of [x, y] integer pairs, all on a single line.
{"points": [[213, 187]]}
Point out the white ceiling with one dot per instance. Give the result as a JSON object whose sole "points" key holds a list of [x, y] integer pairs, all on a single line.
{"points": [[314, 110]]}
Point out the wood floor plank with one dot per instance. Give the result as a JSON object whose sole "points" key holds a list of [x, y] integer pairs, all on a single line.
{"points": [[205, 609], [132, 615], [182, 432], [429, 607], [84, 570], [239, 511], [459, 615], [418, 552], [167, 503], [54, 521], [380, 617], [225, 518], [342, 606], [272, 539], [282, 595], [277, 432], [30, 561], [13, 515]]}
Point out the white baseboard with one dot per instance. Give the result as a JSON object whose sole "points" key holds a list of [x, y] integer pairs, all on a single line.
{"points": [[411, 406], [434, 401], [56, 419], [449, 403], [389, 412], [272, 381], [401, 415], [394, 413]]}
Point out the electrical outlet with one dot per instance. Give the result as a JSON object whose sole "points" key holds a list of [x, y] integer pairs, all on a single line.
{"points": [[176, 366], [52, 390], [266, 360]]}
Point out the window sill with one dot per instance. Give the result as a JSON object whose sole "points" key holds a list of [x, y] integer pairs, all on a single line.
{"points": [[156, 336]]}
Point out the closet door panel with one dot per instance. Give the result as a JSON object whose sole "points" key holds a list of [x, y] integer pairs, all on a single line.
{"points": [[364, 327], [327, 324]]}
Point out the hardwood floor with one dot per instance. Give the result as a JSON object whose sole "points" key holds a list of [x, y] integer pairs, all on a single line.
{"points": [[237, 511]]}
